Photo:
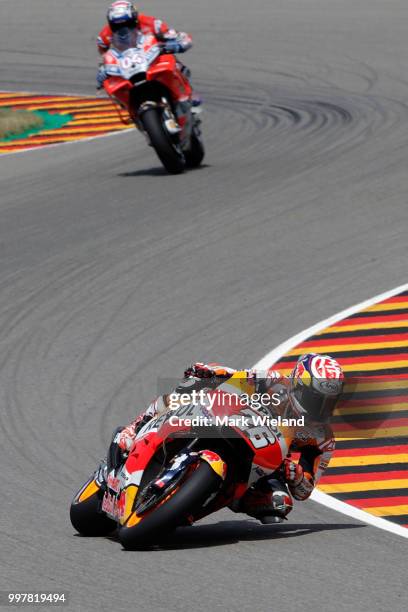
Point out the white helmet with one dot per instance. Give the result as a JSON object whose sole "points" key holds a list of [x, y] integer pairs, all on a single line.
{"points": [[122, 14], [316, 384]]}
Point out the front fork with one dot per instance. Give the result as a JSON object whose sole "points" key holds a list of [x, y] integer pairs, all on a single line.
{"points": [[178, 123], [180, 463]]}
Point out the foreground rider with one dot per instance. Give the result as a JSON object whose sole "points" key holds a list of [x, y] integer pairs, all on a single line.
{"points": [[123, 14], [312, 390]]}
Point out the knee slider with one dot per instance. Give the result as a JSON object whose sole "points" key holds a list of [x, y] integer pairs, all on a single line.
{"points": [[281, 502]]}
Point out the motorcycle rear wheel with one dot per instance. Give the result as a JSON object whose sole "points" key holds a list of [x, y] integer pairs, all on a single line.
{"points": [[173, 512], [172, 159]]}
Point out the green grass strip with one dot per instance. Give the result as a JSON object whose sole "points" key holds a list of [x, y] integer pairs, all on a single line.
{"points": [[19, 124]]}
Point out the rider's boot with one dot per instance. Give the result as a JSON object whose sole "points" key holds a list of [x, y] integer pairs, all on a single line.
{"points": [[101, 473], [116, 454], [123, 439], [112, 461], [196, 100], [269, 501]]}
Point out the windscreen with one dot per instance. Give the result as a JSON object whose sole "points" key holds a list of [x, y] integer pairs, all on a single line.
{"points": [[125, 38]]}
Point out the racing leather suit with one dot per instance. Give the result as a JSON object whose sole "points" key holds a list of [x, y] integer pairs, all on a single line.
{"points": [[173, 42], [269, 496], [149, 25]]}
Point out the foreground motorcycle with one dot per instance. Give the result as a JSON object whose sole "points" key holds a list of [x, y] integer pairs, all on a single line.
{"points": [[179, 472], [150, 86]]}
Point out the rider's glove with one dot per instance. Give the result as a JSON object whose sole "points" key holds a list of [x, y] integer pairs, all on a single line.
{"points": [[176, 42], [125, 438], [293, 473], [300, 483], [100, 77], [199, 370], [262, 379], [172, 46], [202, 370]]}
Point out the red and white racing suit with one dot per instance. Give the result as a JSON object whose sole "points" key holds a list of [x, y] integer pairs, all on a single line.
{"points": [[174, 42], [315, 444], [147, 25]]}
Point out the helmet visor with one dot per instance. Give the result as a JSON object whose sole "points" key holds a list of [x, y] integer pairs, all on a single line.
{"points": [[319, 408], [126, 22]]}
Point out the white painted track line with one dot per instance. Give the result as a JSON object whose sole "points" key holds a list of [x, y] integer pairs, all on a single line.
{"points": [[279, 351]]}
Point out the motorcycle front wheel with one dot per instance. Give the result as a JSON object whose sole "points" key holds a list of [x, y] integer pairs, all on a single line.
{"points": [[172, 512], [86, 515], [167, 151]]}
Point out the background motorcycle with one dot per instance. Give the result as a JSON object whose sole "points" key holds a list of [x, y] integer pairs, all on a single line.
{"points": [[150, 86], [178, 473]]}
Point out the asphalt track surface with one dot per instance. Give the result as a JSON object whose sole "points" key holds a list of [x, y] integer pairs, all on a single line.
{"points": [[112, 271]]}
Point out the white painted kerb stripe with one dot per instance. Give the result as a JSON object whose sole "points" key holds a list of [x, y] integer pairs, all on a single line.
{"points": [[282, 349]]}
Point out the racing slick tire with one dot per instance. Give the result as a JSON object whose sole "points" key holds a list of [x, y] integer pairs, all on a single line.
{"points": [[195, 155], [87, 518], [172, 158], [173, 512]]}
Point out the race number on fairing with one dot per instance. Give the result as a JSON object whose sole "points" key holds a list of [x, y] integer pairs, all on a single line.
{"points": [[259, 435], [132, 62]]}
